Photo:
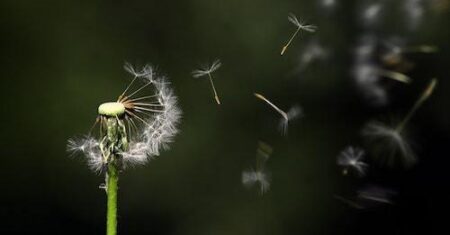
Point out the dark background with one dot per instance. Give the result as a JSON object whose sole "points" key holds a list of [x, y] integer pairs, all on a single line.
{"points": [[60, 59]]}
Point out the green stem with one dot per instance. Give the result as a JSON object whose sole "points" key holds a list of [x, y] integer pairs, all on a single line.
{"points": [[111, 215]]}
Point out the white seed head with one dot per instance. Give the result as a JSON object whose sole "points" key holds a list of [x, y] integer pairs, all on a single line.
{"points": [[151, 122]]}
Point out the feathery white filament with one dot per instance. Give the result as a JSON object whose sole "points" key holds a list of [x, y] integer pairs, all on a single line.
{"points": [[391, 146], [252, 177], [207, 70], [351, 157]]}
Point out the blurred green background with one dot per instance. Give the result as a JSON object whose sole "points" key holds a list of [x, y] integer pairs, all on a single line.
{"points": [[60, 59]]}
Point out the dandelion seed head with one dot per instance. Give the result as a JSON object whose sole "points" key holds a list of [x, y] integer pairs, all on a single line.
{"points": [[351, 158], [148, 122]]}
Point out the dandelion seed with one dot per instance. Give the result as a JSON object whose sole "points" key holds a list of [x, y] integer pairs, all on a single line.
{"points": [[400, 77], [369, 196], [424, 96], [390, 141], [207, 70], [394, 53], [367, 73], [364, 71], [90, 147], [351, 158], [371, 13], [300, 26], [251, 177], [414, 12], [263, 152], [312, 52], [376, 194], [259, 175], [396, 49], [293, 113], [367, 79], [328, 3]]}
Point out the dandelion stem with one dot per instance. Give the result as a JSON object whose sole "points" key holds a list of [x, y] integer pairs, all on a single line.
{"points": [[289, 42], [111, 214], [426, 93], [214, 88]]}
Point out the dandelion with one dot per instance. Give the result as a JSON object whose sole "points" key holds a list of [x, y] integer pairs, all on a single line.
{"points": [[300, 26], [351, 158], [132, 130], [207, 70], [392, 138], [259, 175], [294, 112]]}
